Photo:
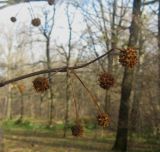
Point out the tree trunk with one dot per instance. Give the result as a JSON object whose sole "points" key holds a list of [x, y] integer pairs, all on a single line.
{"points": [[40, 106], [1, 141], [22, 108], [68, 85], [51, 95], [9, 103], [158, 94], [32, 107], [159, 52], [107, 105], [122, 130], [135, 111], [67, 103]]}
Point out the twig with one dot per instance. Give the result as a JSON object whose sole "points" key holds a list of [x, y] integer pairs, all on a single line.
{"points": [[94, 99]]}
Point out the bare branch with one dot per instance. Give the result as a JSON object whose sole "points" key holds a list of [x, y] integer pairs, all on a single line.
{"points": [[60, 69], [150, 2]]}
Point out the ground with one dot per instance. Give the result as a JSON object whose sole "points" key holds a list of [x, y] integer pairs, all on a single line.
{"points": [[21, 139]]}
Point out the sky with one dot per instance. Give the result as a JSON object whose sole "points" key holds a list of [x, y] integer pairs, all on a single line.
{"points": [[60, 31], [23, 15]]}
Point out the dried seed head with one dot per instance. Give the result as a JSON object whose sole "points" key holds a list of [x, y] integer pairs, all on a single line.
{"points": [[13, 19], [103, 119], [51, 2], [41, 84], [128, 57], [77, 130], [21, 87], [106, 80], [36, 22]]}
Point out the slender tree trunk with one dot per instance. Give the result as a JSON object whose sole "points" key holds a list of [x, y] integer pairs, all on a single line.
{"points": [[159, 52], [113, 37], [51, 102], [67, 102], [1, 141], [122, 131], [68, 85], [155, 112], [40, 106], [32, 108], [135, 112], [9, 103], [22, 108], [51, 95], [158, 98], [107, 105]]}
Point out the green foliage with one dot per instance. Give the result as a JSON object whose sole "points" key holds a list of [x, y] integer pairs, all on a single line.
{"points": [[90, 126], [153, 140], [23, 125], [30, 126]]}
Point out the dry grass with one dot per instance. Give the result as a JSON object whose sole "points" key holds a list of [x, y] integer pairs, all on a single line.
{"points": [[43, 142], [20, 143]]}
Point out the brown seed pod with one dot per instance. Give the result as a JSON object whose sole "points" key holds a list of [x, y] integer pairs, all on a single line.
{"points": [[103, 119], [51, 2], [41, 84], [128, 57], [36, 22], [77, 130], [106, 80], [13, 19], [21, 87]]}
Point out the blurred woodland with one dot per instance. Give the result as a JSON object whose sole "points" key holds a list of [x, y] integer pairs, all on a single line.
{"points": [[132, 103]]}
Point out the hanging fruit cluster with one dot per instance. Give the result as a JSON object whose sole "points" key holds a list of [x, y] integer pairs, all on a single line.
{"points": [[41, 84], [36, 22], [13, 19], [128, 57], [106, 80], [103, 119], [77, 130]]}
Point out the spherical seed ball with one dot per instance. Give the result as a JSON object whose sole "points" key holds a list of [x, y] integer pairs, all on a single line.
{"points": [[51, 2], [106, 80], [77, 130], [103, 119], [13, 19], [128, 57], [41, 84], [36, 22]]}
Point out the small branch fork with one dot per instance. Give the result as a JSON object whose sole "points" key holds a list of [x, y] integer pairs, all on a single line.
{"points": [[60, 69]]}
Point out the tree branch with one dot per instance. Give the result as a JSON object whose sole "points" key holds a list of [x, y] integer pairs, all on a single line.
{"points": [[150, 2], [60, 69]]}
